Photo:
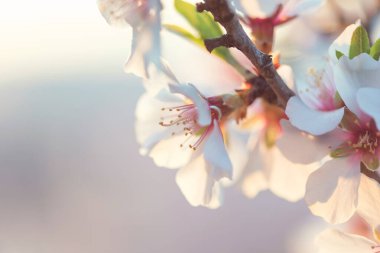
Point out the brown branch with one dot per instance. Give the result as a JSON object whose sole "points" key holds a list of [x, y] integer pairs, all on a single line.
{"points": [[225, 41], [371, 174], [225, 15]]}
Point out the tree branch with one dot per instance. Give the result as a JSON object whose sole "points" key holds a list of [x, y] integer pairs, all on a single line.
{"points": [[236, 37], [370, 174]]}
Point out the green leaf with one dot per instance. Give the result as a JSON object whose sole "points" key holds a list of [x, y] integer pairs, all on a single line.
{"points": [[375, 50], [202, 22], [184, 33], [359, 42], [338, 54]]}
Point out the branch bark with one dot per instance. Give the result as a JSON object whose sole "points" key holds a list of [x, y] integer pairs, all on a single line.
{"points": [[236, 37]]}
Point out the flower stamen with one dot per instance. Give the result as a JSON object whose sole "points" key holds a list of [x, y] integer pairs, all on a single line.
{"points": [[187, 117]]}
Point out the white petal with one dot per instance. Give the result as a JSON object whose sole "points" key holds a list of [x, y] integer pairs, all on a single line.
{"points": [[145, 50], [335, 241], [369, 102], [299, 7], [191, 92], [369, 201], [148, 115], [350, 75], [288, 180], [286, 73], [237, 150], [254, 178], [254, 183], [303, 148], [332, 190], [342, 43], [310, 120], [168, 153], [119, 12], [216, 155], [197, 185]]}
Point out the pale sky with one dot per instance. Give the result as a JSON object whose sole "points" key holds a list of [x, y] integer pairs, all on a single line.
{"points": [[41, 37]]}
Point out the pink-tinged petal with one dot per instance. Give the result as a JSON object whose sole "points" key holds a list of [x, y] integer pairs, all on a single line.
{"points": [[343, 42], [303, 148], [310, 120], [216, 155], [287, 179], [332, 190], [168, 153], [197, 185], [369, 201], [192, 93], [335, 241], [298, 7], [350, 75], [369, 101]]}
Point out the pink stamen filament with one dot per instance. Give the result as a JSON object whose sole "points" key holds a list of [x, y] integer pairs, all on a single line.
{"points": [[187, 116], [202, 137]]}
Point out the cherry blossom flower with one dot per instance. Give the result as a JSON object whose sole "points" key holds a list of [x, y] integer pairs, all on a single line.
{"points": [[144, 18], [331, 240], [252, 144], [266, 168], [181, 127], [187, 134], [262, 24], [317, 109], [361, 88], [354, 147]]}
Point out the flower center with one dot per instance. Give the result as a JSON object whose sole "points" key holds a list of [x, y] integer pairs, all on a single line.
{"points": [[183, 121], [367, 141]]}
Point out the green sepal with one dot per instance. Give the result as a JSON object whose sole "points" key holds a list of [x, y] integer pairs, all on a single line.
{"points": [[342, 150], [350, 121], [375, 50], [338, 54], [359, 42], [370, 161]]}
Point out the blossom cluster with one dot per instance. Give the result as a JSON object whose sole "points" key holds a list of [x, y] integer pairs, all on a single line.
{"points": [[225, 126]]}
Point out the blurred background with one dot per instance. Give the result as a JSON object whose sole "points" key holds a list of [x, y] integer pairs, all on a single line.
{"points": [[71, 177]]}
